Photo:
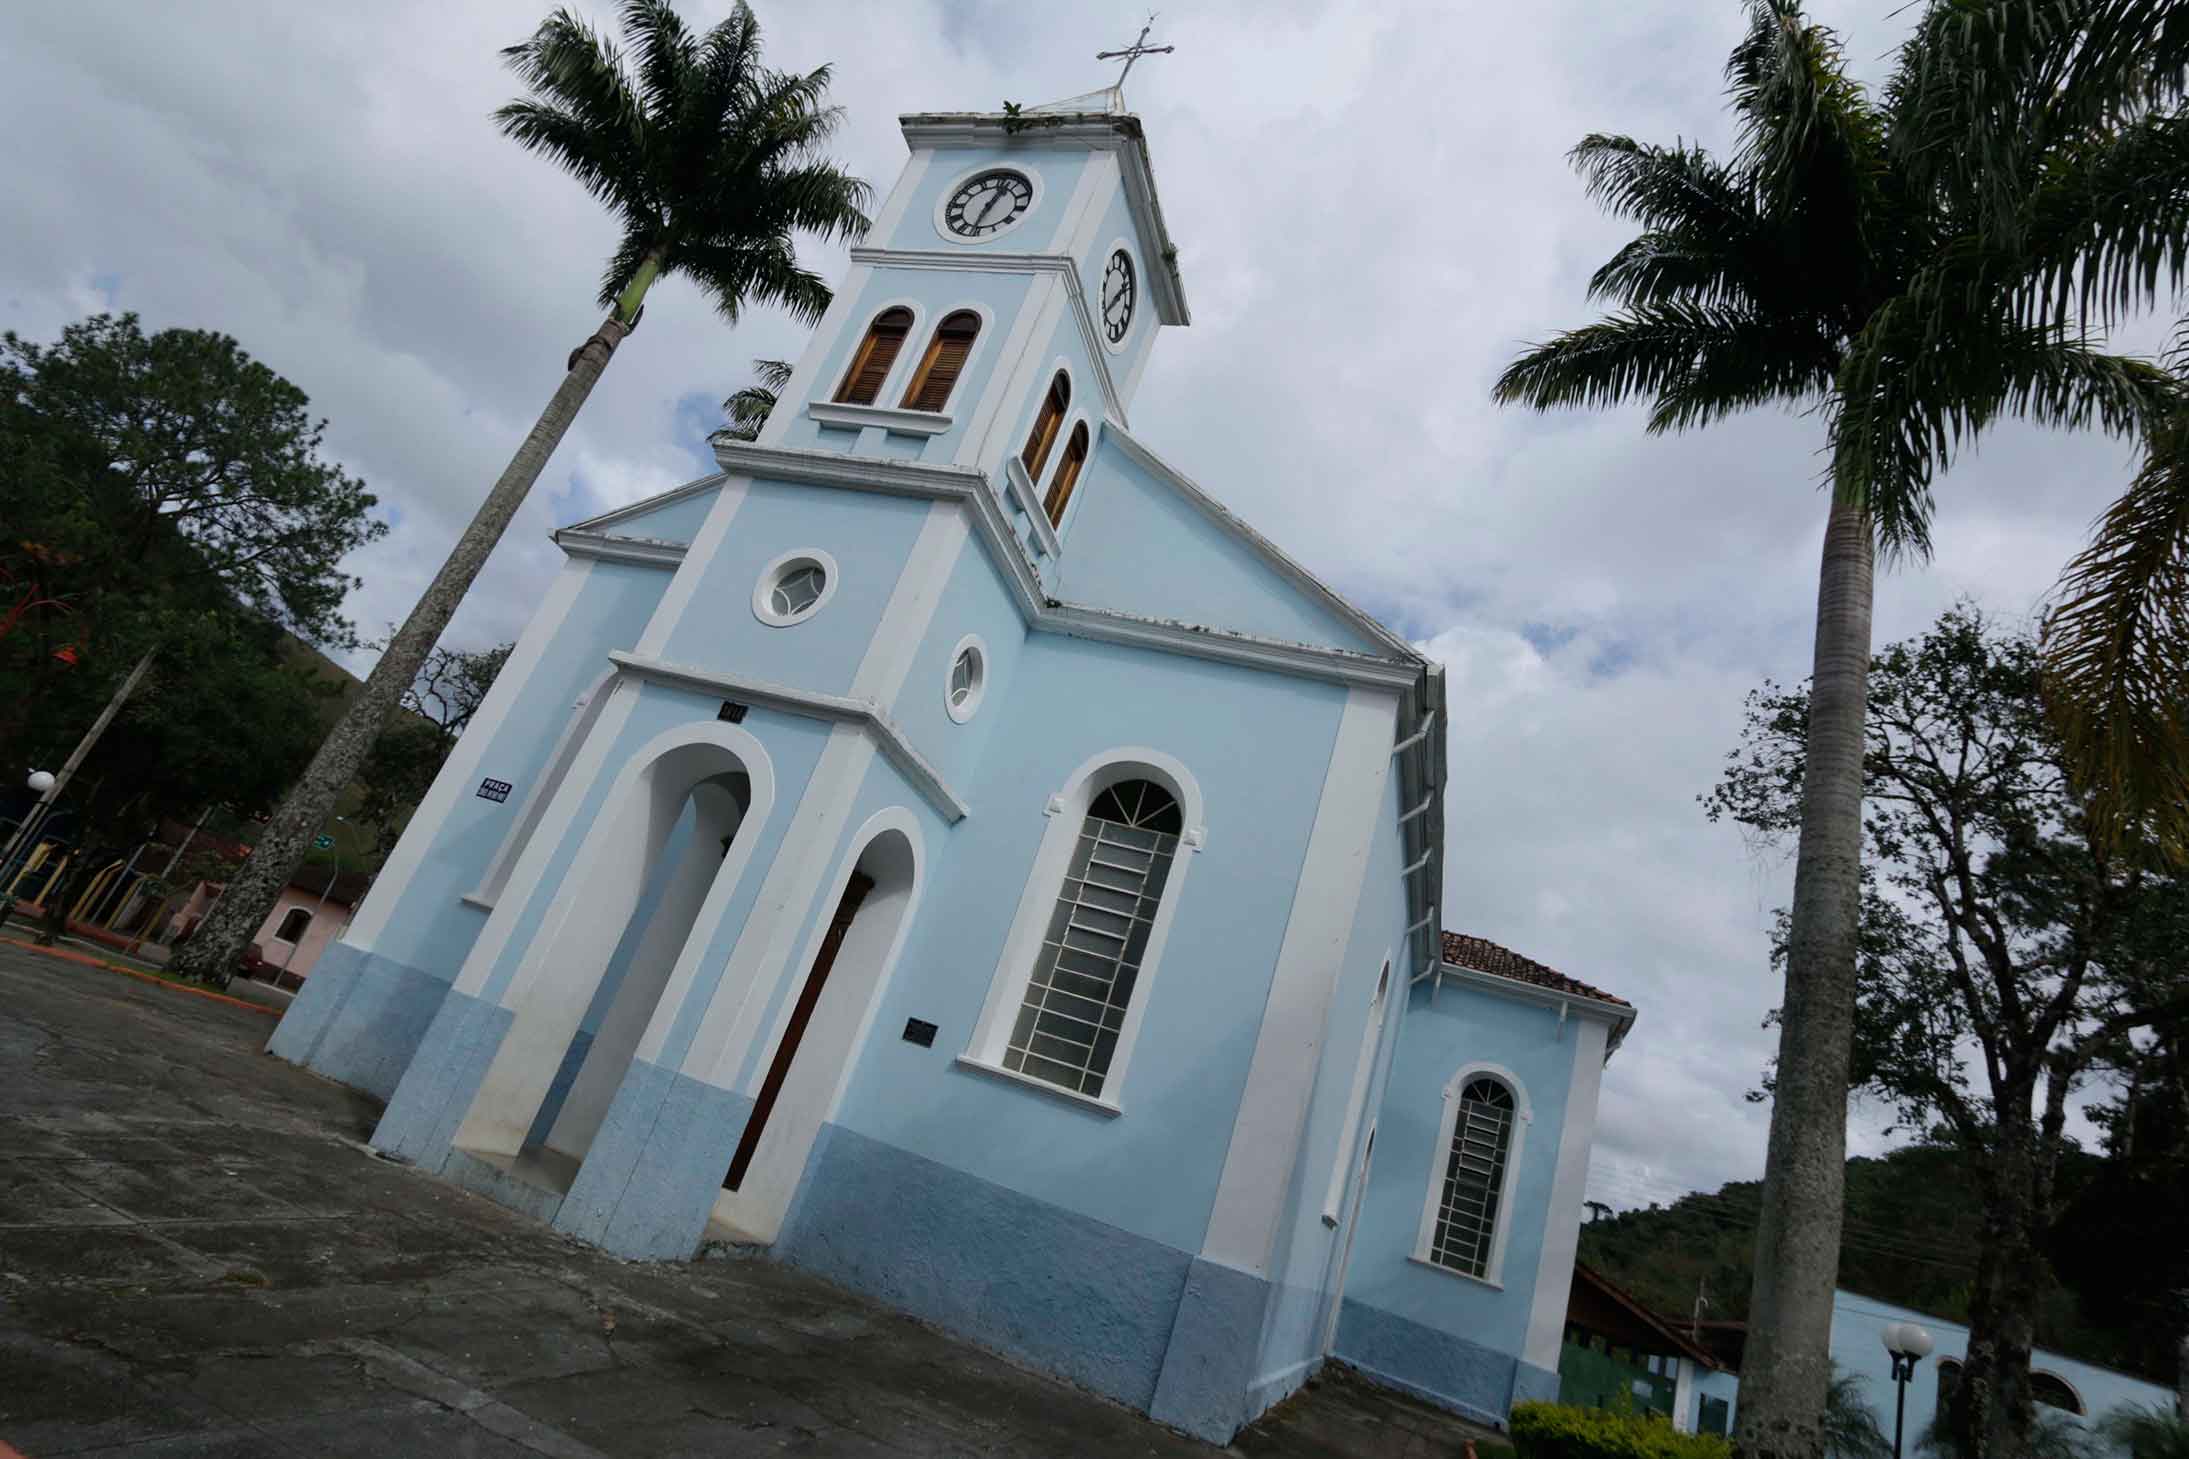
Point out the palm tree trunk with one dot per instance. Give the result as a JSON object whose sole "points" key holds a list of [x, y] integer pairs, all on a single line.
{"points": [[1787, 1367], [257, 884]]}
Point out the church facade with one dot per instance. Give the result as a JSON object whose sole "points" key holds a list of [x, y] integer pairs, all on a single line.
{"points": [[950, 852]]}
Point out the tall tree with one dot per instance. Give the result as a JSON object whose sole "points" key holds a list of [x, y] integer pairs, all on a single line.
{"points": [[2006, 956], [160, 491], [1812, 268], [710, 164]]}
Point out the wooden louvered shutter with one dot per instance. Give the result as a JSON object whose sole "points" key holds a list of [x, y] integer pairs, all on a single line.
{"points": [[1067, 475], [946, 355], [870, 367], [1043, 436]]}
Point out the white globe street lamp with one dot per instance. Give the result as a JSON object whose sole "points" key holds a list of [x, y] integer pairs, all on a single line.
{"points": [[40, 781], [1906, 1344]]}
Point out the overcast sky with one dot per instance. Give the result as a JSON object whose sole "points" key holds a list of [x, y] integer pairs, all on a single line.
{"points": [[1372, 209]]}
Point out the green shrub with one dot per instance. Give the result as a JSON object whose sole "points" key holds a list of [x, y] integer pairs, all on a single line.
{"points": [[1560, 1431]]}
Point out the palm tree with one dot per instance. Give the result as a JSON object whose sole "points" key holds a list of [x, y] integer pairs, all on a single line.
{"points": [[710, 163], [748, 409], [2063, 122], [1851, 1428], [1814, 268]]}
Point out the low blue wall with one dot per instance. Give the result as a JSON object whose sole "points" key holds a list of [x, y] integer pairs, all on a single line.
{"points": [[1474, 1381], [359, 1019], [650, 1179]]}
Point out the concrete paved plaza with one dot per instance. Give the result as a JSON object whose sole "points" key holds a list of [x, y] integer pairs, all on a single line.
{"points": [[199, 1257]]}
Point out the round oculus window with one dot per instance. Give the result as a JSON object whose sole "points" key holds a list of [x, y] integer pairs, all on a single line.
{"points": [[968, 679], [793, 587]]}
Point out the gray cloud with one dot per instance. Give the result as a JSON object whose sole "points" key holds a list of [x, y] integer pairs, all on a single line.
{"points": [[1373, 212]]}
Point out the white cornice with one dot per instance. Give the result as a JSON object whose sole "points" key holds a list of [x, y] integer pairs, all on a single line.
{"points": [[1619, 1014], [1014, 263], [1093, 130], [835, 708], [1022, 488], [970, 486], [1269, 551], [620, 514], [904, 422], [607, 547]]}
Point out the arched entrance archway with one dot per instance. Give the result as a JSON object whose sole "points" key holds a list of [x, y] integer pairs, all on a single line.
{"points": [[674, 825]]}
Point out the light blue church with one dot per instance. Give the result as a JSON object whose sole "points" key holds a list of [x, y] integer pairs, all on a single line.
{"points": [[948, 851]]}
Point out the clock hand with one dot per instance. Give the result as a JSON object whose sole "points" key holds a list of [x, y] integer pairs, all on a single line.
{"points": [[994, 198]]}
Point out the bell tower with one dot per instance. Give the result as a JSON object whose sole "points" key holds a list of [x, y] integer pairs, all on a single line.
{"points": [[1007, 295]]}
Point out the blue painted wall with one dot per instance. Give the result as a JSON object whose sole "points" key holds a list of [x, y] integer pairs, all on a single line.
{"points": [[1058, 168], [1204, 575], [1069, 700], [1396, 1305], [870, 537], [432, 929]]}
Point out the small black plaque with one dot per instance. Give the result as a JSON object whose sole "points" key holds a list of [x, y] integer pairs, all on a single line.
{"points": [[731, 712], [495, 790], [919, 1031]]}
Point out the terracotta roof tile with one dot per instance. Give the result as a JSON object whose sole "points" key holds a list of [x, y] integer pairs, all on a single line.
{"points": [[1483, 956]]}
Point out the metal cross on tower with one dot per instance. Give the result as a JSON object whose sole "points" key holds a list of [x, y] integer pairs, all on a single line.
{"points": [[1133, 53]]}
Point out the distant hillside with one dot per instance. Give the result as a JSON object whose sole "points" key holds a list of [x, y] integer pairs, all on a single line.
{"points": [[1910, 1238]]}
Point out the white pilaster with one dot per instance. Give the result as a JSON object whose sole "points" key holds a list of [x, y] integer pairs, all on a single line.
{"points": [[1265, 1139], [1562, 1215], [461, 771]]}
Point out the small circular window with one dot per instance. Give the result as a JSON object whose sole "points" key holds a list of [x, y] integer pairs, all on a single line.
{"points": [[968, 678], [793, 587]]}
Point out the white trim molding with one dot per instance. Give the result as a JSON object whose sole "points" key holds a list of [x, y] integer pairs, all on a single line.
{"points": [[1562, 1213], [1356, 1100], [596, 526], [1067, 810], [835, 708], [605, 547], [889, 417], [584, 713], [1029, 501], [1493, 1273]]}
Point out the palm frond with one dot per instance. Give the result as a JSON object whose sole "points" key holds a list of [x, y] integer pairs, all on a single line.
{"points": [[1699, 362], [2116, 645], [577, 75], [748, 409], [1932, 369], [766, 272], [2108, 230], [1809, 135]]}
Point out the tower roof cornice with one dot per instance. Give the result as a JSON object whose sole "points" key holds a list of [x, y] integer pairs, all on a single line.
{"points": [[1120, 133]]}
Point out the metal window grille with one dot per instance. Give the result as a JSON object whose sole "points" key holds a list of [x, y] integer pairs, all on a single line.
{"points": [[1474, 1177], [1067, 1028], [964, 677], [798, 589]]}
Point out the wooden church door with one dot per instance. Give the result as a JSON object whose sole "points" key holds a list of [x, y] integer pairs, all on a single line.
{"points": [[808, 997]]}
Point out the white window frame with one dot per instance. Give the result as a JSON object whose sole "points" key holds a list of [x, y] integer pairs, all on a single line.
{"points": [[1364, 1065], [585, 713], [763, 592], [1067, 813], [900, 372], [1441, 1154], [960, 713]]}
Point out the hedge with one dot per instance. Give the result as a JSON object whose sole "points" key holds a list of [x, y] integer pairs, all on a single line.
{"points": [[1560, 1431]]}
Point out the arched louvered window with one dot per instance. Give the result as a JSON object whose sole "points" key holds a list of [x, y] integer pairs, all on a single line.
{"points": [[1067, 1026], [1067, 475], [1046, 426], [876, 353], [943, 362], [1476, 1155]]}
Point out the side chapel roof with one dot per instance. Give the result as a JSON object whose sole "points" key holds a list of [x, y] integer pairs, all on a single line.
{"points": [[1479, 954]]}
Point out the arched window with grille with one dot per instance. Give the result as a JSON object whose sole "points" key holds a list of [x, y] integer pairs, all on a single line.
{"points": [[1067, 475], [1047, 422], [1467, 1216], [944, 361], [2053, 1391], [871, 362], [293, 926], [1075, 1004]]}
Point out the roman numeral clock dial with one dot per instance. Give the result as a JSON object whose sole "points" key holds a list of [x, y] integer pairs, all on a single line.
{"points": [[1120, 290], [985, 205]]}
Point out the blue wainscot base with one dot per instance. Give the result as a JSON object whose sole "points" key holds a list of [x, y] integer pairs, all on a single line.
{"points": [[359, 1019], [650, 1180], [1473, 1381]]}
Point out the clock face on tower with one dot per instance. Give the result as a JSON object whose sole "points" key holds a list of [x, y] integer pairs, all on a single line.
{"points": [[1120, 290], [986, 204]]}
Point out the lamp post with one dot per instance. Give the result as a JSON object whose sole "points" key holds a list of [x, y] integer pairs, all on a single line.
{"points": [[1907, 1345]]}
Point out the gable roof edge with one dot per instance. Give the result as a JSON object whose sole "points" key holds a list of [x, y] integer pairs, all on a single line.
{"points": [[647, 504], [1278, 559]]}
